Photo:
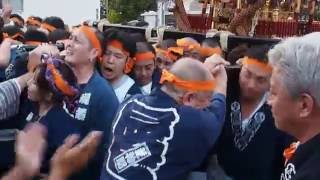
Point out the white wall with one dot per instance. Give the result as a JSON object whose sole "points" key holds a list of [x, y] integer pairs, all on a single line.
{"points": [[71, 11], [151, 18]]}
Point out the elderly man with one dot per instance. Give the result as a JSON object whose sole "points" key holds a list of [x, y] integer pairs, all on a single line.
{"points": [[295, 101], [156, 136]]}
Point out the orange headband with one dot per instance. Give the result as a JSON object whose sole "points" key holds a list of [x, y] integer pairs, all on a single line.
{"points": [[146, 56], [186, 85], [207, 52], [48, 27], [60, 83], [263, 66], [17, 20], [170, 52], [159, 50], [188, 45], [118, 45], [289, 152], [92, 38], [33, 22], [130, 62], [177, 50]]}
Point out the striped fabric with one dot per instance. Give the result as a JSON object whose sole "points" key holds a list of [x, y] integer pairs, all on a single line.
{"points": [[9, 99]]}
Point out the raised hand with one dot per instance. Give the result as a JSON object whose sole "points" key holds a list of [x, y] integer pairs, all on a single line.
{"points": [[71, 158]]}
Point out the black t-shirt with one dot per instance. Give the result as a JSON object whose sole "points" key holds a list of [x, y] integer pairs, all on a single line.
{"points": [[253, 152], [305, 163]]}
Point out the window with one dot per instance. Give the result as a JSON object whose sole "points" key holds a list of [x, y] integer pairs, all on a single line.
{"points": [[17, 5]]}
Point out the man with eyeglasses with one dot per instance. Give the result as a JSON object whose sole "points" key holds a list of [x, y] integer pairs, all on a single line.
{"points": [[117, 62]]}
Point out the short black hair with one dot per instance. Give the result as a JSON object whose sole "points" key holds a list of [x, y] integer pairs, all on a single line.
{"points": [[258, 52], [58, 34], [143, 47], [35, 35], [54, 21], [128, 42], [211, 42], [237, 53], [18, 17]]}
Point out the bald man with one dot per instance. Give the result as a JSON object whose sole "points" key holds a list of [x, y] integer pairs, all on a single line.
{"points": [[168, 133]]}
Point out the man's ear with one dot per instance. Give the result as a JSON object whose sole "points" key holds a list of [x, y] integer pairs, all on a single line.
{"points": [[306, 105], [93, 54], [187, 98]]}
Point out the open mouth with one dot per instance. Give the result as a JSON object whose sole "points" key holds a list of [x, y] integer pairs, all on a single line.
{"points": [[107, 69], [108, 72]]}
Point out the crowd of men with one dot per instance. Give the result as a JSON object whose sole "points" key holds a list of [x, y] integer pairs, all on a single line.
{"points": [[78, 103]]}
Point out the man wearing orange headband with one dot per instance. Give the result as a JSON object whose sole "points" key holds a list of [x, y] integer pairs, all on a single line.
{"points": [[97, 102], [144, 67], [117, 63], [164, 58], [210, 47], [167, 134], [249, 136]]}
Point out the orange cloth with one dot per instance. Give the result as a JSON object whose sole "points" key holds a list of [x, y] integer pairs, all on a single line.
{"points": [[60, 83], [91, 35], [188, 45], [263, 66], [186, 85], [118, 45], [171, 53], [146, 56], [289, 152], [177, 50], [207, 52]]}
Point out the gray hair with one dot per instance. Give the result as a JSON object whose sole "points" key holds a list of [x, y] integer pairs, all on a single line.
{"points": [[298, 59]]}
